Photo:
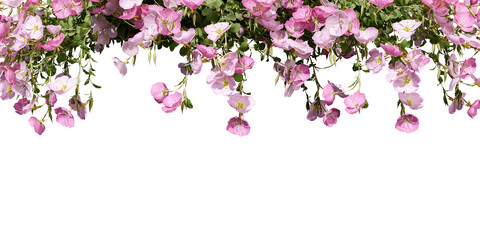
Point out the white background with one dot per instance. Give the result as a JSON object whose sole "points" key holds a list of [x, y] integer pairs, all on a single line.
{"points": [[130, 171]]}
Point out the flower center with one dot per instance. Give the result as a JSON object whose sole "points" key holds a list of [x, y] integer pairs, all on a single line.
{"points": [[225, 83], [406, 80], [406, 29]]}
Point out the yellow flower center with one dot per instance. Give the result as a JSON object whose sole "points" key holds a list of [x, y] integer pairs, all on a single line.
{"points": [[409, 102], [64, 87], [406, 80], [406, 29], [240, 105], [36, 28], [225, 83], [219, 31]]}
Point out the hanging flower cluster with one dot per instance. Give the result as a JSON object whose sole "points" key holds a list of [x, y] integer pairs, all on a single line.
{"points": [[40, 41]]}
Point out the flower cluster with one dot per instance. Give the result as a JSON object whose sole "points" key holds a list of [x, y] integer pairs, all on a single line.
{"points": [[41, 40]]}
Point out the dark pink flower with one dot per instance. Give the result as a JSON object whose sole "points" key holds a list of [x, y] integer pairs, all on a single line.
{"points": [[300, 74], [64, 117], [238, 126], [472, 111], [37, 125], [76, 105], [407, 123], [331, 116], [24, 105], [457, 103]]}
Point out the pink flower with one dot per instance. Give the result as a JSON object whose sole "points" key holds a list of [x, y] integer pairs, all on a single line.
{"points": [[169, 22], [244, 63], [376, 61], [238, 126], [24, 105], [457, 103], [159, 91], [468, 68], [279, 39], [13, 3], [295, 28], [292, 4], [54, 29], [37, 125], [316, 110], [300, 74], [216, 30], [171, 102], [197, 62], [53, 43], [122, 68], [354, 102], [406, 28], [302, 49], [472, 111], [242, 104], [330, 91], [381, 3], [208, 52], [228, 63], [193, 4], [367, 36], [254, 7], [224, 85], [50, 98], [62, 84], [465, 21], [337, 24], [66, 8], [407, 123], [393, 51], [64, 117], [407, 82], [416, 60], [331, 116], [33, 27], [184, 37], [76, 105], [127, 4], [413, 100]]}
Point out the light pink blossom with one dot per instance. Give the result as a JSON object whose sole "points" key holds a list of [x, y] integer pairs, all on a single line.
{"points": [[121, 66], [215, 31], [413, 100], [242, 103], [184, 37], [171, 102], [354, 102], [159, 91], [406, 28], [62, 84]]}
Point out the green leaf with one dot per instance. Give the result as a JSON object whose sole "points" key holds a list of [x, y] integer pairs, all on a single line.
{"points": [[235, 28], [238, 77], [216, 3]]}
